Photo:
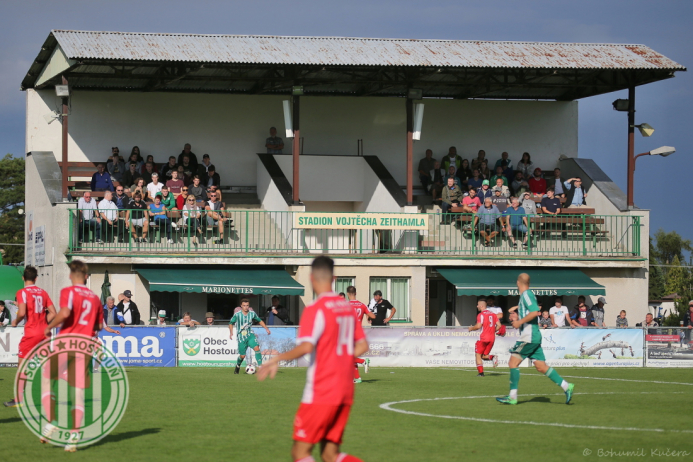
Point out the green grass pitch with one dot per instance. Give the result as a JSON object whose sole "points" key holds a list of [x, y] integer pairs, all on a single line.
{"points": [[211, 415]]}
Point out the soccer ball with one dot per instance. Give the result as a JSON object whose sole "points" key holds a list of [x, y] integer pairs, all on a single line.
{"points": [[250, 369]]}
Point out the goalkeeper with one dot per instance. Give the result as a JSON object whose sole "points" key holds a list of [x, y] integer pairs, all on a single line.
{"points": [[243, 321]]}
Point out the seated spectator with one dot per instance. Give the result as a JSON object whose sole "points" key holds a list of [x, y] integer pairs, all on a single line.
{"points": [[148, 172], [157, 210], [519, 184], [197, 190], [451, 196], [213, 178], [204, 166], [154, 187], [481, 156], [438, 181], [581, 315], [136, 151], [5, 315], [130, 175], [180, 200], [451, 174], [216, 216], [471, 202], [109, 218], [621, 320], [150, 160], [138, 216], [192, 159], [560, 316], [483, 169], [182, 176], [528, 203], [451, 160], [484, 191], [139, 186], [192, 214], [101, 180], [89, 217], [115, 166], [274, 144], [525, 166], [544, 320], [426, 166], [115, 153], [476, 181], [499, 185], [167, 198], [556, 183], [486, 219], [209, 318], [189, 168], [516, 222], [499, 176], [175, 185], [576, 194], [537, 184], [121, 200], [499, 200], [550, 205], [464, 173], [503, 162], [187, 320], [168, 169], [136, 159]]}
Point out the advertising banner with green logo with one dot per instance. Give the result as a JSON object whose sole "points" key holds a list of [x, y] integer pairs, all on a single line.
{"points": [[211, 346]]}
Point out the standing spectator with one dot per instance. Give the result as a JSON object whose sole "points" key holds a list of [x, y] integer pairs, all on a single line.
{"points": [[519, 184], [213, 178], [476, 181], [109, 218], [380, 310], [168, 169], [158, 211], [559, 314], [127, 313], [471, 202], [537, 184], [5, 315], [499, 176], [197, 190], [504, 162], [192, 158], [209, 316], [130, 175], [528, 204], [438, 181], [621, 320], [525, 165], [101, 180], [109, 311], [464, 173], [277, 315], [138, 216], [486, 219], [274, 144], [544, 320], [491, 306], [154, 187], [161, 318], [500, 201], [116, 166], [550, 205], [426, 166], [148, 172], [576, 194], [175, 185], [556, 183], [484, 191], [452, 159], [203, 168], [500, 186], [480, 157], [89, 217], [451, 196], [650, 322], [688, 318], [598, 312], [187, 320], [516, 222], [581, 316]]}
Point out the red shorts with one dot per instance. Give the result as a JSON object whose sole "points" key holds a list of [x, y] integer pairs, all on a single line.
{"points": [[483, 348], [28, 342], [318, 422]]}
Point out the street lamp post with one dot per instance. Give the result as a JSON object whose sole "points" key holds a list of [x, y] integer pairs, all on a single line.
{"points": [[664, 151]]}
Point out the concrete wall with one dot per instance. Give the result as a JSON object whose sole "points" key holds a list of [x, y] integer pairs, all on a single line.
{"points": [[267, 191], [122, 277], [233, 128]]}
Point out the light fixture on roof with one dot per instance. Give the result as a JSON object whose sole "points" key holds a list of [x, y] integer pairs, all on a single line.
{"points": [[645, 129], [418, 121], [415, 93], [49, 118], [663, 151], [62, 91], [297, 90], [288, 124], [621, 105]]}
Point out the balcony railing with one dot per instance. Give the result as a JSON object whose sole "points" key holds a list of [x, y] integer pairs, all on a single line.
{"points": [[443, 235]]}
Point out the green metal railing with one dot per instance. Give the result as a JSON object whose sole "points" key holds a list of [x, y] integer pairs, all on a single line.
{"points": [[248, 232]]}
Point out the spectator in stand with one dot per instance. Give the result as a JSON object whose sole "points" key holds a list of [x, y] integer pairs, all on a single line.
{"points": [[136, 159], [576, 194], [209, 318], [556, 183], [109, 310], [213, 178], [158, 211], [89, 217], [150, 159], [544, 320], [451, 197], [189, 168], [122, 201], [148, 172], [480, 157], [5, 315], [139, 186], [438, 181], [380, 310], [187, 321], [650, 322], [130, 175], [451, 174], [484, 191], [464, 173], [537, 184], [167, 198], [581, 315], [204, 166], [277, 315], [168, 169], [500, 186], [192, 214], [426, 166], [471, 202], [504, 162], [483, 169], [187, 179], [598, 312], [499, 200], [452, 159], [138, 216], [115, 165], [180, 200], [101, 180], [516, 222], [109, 218], [161, 318], [519, 184], [550, 205], [216, 216], [136, 151], [192, 159], [560, 316], [154, 187], [621, 320], [197, 190], [115, 154], [175, 185], [274, 144], [486, 219], [525, 166], [476, 181], [528, 204], [688, 318], [127, 312], [499, 176]]}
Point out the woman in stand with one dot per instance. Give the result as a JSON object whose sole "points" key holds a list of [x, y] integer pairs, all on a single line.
{"points": [[525, 166], [139, 186], [191, 217]]}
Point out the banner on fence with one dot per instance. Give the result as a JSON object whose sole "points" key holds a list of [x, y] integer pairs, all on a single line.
{"points": [[593, 347], [203, 346], [303, 220], [9, 345], [143, 346], [669, 347]]}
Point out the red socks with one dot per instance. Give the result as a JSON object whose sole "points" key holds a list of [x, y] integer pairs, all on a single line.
{"points": [[490, 357], [359, 360], [344, 457], [356, 372], [480, 369]]}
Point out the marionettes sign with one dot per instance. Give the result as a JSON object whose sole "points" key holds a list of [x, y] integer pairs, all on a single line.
{"points": [[360, 221]]}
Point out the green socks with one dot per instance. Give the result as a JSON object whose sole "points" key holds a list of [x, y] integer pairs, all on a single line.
{"points": [[239, 361], [555, 378], [514, 381], [258, 358]]}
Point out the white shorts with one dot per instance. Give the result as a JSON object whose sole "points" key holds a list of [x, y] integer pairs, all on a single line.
{"points": [[139, 222]]}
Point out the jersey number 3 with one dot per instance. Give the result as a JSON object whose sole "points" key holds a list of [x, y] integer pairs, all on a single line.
{"points": [[346, 335]]}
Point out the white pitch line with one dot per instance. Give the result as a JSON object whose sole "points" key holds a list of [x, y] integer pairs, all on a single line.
{"points": [[388, 407]]}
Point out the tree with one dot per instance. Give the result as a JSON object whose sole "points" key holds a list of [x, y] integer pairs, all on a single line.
{"points": [[11, 199], [656, 283], [670, 245]]}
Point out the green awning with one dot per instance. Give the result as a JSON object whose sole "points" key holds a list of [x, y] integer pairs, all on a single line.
{"points": [[10, 281], [211, 280], [501, 281]]}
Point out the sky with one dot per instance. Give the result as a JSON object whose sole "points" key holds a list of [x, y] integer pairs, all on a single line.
{"points": [[662, 185]]}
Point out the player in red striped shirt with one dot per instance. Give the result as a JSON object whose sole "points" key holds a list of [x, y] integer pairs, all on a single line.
{"points": [[488, 323], [34, 304], [361, 310], [329, 333]]}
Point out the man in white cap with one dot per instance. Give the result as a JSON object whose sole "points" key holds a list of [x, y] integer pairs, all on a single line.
{"points": [[598, 312], [161, 318]]}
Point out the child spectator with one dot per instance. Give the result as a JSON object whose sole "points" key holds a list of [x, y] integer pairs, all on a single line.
{"points": [[621, 320], [544, 320]]}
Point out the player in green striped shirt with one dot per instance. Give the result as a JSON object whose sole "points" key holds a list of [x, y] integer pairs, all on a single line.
{"points": [[243, 322], [529, 345]]}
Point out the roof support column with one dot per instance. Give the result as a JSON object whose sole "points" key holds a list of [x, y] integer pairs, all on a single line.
{"points": [[631, 144], [64, 153], [296, 146], [410, 151]]}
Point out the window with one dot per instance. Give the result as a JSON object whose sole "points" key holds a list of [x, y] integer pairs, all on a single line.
{"points": [[341, 284], [396, 291]]}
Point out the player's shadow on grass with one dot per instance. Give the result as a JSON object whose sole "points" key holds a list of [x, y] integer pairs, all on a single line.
{"points": [[536, 399], [370, 380], [115, 438], [10, 420]]}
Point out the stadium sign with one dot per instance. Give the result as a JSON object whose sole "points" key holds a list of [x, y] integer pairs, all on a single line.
{"points": [[143, 346], [370, 221], [9, 345]]}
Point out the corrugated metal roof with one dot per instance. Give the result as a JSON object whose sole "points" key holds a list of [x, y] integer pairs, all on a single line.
{"points": [[356, 51]]}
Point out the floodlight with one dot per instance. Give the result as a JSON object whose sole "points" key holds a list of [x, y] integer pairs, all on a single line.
{"points": [[418, 121], [49, 118], [645, 129], [664, 151], [287, 119], [415, 93], [621, 105], [62, 90]]}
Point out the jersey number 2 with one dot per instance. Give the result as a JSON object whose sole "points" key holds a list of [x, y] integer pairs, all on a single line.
{"points": [[86, 308], [346, 335]]}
